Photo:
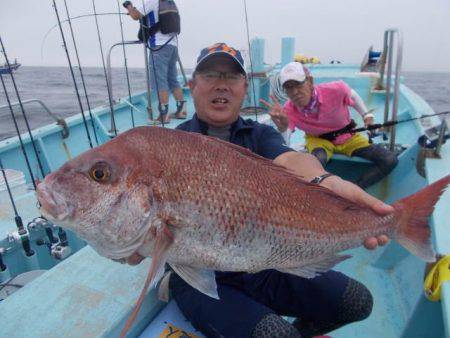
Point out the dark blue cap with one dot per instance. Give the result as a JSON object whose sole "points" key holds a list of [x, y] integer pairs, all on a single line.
{"points": [[221, 48]]}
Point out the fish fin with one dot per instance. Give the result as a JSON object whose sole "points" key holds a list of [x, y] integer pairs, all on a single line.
{"points": [[163, 289], [313, 269], [413, 230], [201, 279], [164, 239]]}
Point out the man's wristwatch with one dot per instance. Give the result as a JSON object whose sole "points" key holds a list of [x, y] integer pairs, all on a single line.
{"points": [[318, 179]]}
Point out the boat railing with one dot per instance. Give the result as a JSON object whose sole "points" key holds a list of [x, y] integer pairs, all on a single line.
{"points": [[387, 57], [59, 120], [445, 125], [109, 80]]}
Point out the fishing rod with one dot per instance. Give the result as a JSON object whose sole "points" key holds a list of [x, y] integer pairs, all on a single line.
{"points": [[67, 20], [100, 43], [22, 145], [16, 91], [80, 69], [23, 233], [250, 58], [125, 64], [373, 127], [64, 45], [382, 125]]}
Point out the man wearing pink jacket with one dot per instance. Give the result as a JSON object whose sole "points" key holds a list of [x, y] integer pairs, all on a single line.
{"points": [[322, 112]]}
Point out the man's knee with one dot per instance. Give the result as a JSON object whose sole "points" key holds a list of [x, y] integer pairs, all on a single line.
{"points": [[389, 162], [384, 159], [357, 303], [273, 325]]}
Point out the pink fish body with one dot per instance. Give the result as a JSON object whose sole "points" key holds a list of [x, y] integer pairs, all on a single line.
{"points": [[201, 204]]}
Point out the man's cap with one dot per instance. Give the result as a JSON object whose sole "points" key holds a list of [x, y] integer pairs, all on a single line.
{"points": [[224, 49], [293, 71]]}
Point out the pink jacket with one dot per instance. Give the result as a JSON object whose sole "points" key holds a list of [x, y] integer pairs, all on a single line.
{"points": [[331, 112]]}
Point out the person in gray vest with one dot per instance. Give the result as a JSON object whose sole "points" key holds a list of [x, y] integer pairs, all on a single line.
{"points": [[162, 59]]}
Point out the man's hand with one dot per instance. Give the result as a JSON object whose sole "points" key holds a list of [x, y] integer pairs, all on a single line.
{"points": [[369, 118], [355, 194], [132, 11], [126, 4], [276, 112], [306, 166]]}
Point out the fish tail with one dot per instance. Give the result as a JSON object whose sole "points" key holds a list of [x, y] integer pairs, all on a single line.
{"points": [[413, 230]]}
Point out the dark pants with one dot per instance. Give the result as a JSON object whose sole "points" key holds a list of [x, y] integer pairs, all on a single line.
{"points": [[321, 304], [383, 159]]}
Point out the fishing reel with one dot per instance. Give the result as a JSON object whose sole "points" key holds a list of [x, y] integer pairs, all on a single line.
{"points": [[429, 146], [56, 250], [430, 138], [38, 223], [60, 252], [58, 246]]}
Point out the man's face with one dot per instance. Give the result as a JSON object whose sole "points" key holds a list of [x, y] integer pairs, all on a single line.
{"points": [[299, 93], [218, 99]]}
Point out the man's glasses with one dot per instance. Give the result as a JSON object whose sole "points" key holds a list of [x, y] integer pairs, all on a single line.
{"points": [[213, 76]]}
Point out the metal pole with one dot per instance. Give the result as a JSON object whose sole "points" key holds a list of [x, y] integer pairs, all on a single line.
{"points": [[149, 89], [388, 77], [441, 136], [398, 66], [383, 60], [109, 78]]}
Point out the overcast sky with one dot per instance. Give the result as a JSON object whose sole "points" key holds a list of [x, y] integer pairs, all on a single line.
{"points": [[328, 29]]}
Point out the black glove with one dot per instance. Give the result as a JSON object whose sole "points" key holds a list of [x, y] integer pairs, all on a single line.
{"points": [[126, 4]]}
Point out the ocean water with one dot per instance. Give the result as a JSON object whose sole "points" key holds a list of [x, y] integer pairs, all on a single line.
{"points": [[54, 86]]}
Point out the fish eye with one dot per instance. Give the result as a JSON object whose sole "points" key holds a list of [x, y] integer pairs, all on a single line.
{"points": [[100, 173]]}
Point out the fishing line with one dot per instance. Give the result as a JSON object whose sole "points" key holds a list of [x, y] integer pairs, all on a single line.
{"points": [[71, 18], [22, 146], [104, 69], [126, 64], [250, 58], [73, 74], [22, 108], [20, 228], [81, 72]]}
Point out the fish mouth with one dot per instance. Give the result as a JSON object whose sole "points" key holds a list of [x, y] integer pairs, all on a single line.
{"points": [[53, 205]]}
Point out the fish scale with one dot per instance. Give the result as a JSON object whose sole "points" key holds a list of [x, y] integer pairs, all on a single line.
{"points": [[202, 204]]}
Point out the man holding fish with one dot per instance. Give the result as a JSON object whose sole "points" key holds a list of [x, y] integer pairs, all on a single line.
{"points": [[245, 308], [230, 208]]}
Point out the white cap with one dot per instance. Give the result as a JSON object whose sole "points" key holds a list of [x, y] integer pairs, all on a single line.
{"points": [[293, 71]]}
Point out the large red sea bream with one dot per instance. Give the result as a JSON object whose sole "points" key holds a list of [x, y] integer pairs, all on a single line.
{"points": [[201, 204]]}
